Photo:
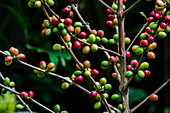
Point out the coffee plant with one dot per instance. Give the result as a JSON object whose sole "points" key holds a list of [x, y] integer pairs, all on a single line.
{"points": [[121, 59]]}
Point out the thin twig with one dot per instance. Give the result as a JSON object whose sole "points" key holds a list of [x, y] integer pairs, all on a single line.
{"points": [[136, 37], [107, 6], [131, 7], [147, 98]]}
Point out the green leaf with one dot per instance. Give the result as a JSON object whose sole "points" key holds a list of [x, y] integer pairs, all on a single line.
{"points": [[143, 14]]}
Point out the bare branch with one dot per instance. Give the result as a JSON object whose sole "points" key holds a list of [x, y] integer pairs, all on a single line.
{"points": [[147, 98]]}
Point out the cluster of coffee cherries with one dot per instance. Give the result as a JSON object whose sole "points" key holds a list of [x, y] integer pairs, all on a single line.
{"points": [[57, 109], [25, 95], [37, 3], [49, 67], [8, 83], [13, 53]]}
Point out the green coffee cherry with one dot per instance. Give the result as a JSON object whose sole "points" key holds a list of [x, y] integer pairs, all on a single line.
{"points": [[107, 87], [56, 47], [128, 74], [112, 41], [116, 37], [139, 51], [50, 2], [12, 84], [3, 91], [115, 21], [61, 26], [114, 6], [46, 23], [106, 96], [65, 85], [92, 38], [63, 32], [97, 105], [57, 108], [64, 112], [143, 36], [56, 30], [162, 34], [87, 73], [105, 63], [104, 40], [103, 81], [141, 74], [40, 74], [6, 81], [94, 47], [78, 73], [19, 106], [153, 25], [115, 96], [98, 39], [48, 32], [31, 4], [38, 4], [144, 65], [120, 106], [78, 24]]}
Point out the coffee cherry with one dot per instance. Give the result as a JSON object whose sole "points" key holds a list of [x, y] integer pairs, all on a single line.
{"points": [[63, 112], [135, 47], [104, 40], [103, 81], [97, 105], [70, 28], [108, 11], [120, 106], [134, 63], [147, 73], [55, 21], [65, 85], [127, 40], [24, 94], [152, 46], [167, 18], [87, 64], [112, 59], [143, 36], [78, 24], [150, 39], [129, 67], [151, 55], [42, 64], [156, 16], [107, 87], [57, 47], [109, 17], [38, 4], [112, 41], [167, 29], [50, 65], [152, 13], [67, 38], [78, 73], [47, 32], [21, 56], [115, 21], [57, 108], [109, 23], [66, 11], [43, 32], [105, 63], [92, 38], [141, 74], [94, 72], [149, 30], [163, 25], [3, 91], [144, 65], [114, 6], [115, 96], [150, 19], [77, 44], [13, 51], [153, 25], [128, 74], [63, 32], [71, 1], [93, 32], [12, 84], [61, 26], [6, 81], [50, 2], [127, 54], [94, 47], [100, 33], [20, 106], [8, 58], [31, 4], [31, 94], [106, 96], [86, 49], [162, 34], [143, 43], [68, 21], [87, 73], [115, 36], [93, 94], [159, 3], [41, 74], [139, 51], [82, 35], [153, 97], [78, 79]]}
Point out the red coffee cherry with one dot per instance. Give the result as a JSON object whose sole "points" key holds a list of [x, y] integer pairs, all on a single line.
{"points": [[94, 72], [112, 59], [167, 18], [143, 43], [24, 94], [42, 64], [43, 32], [31, 94], [93, 94], [8, 58], [21, 56], [150, 19], [78, 79], [134, 63], [68, 21], [56, 21], [147, 73], [129, 67], [153, 97], [152, 13], [43, 25], [82, 35], [127, 54], [71, 1], [157, 16], [66, 10], [77, 44], [150, 39], [151, 55], [109, 23], [13, 51], [163, 25], [149, 30], [50, 65], [100, 33], [108, 11]]}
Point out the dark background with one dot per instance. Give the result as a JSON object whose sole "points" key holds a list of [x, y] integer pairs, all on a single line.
{"points": [[20, 26]]}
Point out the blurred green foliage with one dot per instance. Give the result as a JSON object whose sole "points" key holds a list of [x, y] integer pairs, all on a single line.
{"points": [[20, 27]]}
